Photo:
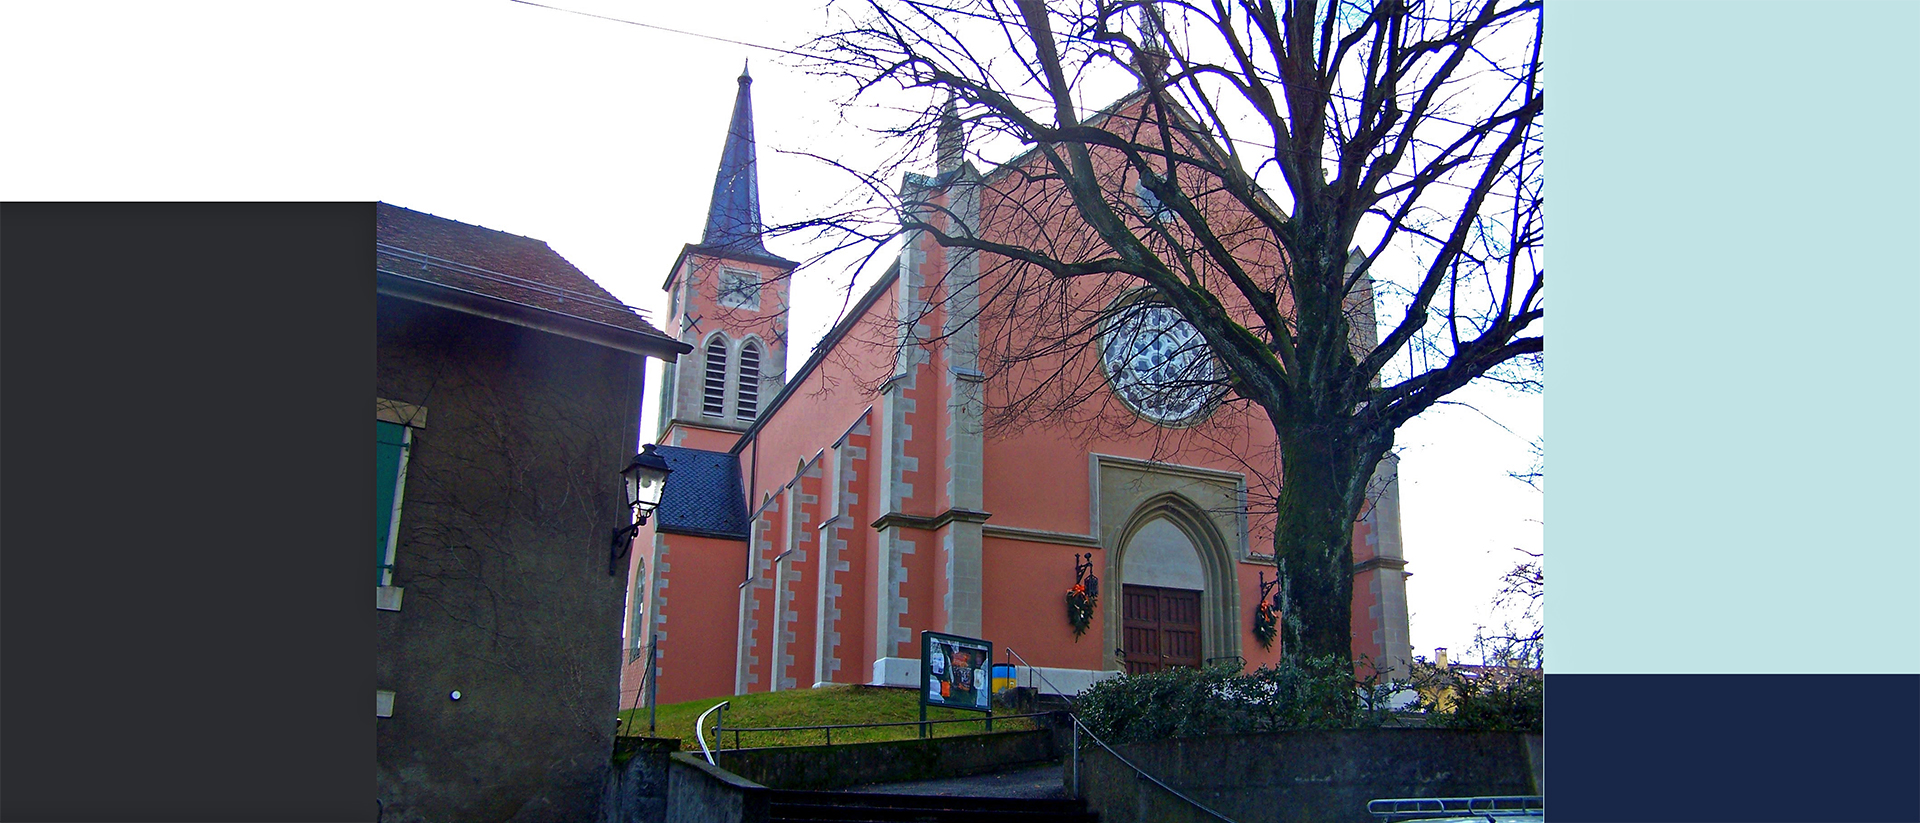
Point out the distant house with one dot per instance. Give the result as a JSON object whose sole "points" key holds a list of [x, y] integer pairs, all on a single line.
{"points": [[507, 400], [1440, 682]]}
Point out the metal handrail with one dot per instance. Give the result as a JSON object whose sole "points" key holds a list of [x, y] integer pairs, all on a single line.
{"points": [[1079, 727], [1034, 671], [699, 730], [828, 728], [1415, 808], [647, 687]]}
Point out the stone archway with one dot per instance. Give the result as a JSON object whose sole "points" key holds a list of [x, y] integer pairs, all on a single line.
{"points": [[1169, 546]]}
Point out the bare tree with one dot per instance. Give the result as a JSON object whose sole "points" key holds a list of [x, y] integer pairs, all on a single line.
{"points": [[1276, 168]]}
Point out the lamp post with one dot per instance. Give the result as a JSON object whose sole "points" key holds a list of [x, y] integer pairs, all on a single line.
{"points": [[645, 480]]}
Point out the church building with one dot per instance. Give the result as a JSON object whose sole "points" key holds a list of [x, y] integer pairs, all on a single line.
{"points": [[819, 518]]}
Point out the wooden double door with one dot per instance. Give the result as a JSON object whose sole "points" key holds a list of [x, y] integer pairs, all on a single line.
{"points": [[1160, 628]]}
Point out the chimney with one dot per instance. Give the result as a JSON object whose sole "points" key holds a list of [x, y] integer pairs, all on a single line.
{"points": [[1440, 657]]}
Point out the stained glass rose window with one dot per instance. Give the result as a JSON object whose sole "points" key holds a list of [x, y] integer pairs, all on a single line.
{"points": [[1159, 364]]}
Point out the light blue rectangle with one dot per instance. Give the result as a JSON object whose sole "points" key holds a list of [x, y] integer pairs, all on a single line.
{"points": [[1732, 402]]}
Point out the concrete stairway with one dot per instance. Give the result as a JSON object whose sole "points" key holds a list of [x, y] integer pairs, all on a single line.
{"points": [[860, 807]]}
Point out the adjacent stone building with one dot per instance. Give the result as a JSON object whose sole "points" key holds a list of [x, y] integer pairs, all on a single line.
{"points": [[508, 396]]}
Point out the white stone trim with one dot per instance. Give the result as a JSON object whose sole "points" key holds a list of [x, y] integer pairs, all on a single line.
{"points": [[404, 414], [905, 672]]}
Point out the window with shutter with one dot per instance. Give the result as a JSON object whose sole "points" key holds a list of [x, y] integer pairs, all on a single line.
{"points": [[748, 403], [714, 403], [391, 441]]}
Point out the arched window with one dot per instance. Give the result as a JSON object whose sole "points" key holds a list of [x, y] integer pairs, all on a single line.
{"points": [[714, 403], [748, 403]]}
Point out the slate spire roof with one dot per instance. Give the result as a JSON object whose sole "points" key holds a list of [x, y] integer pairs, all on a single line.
{"points": [[733, 218]]}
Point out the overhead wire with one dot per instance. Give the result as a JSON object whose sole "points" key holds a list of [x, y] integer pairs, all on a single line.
{"points": [[1010, 94]]}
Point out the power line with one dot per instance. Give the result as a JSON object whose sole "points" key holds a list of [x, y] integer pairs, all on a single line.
{"points": [[820, 58], [660, 28]]}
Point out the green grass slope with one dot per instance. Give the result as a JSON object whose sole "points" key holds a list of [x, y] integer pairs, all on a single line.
{"points": [[828, 705]]}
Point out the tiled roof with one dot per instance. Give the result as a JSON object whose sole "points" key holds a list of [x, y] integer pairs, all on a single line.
{"points": [[703, 494], [497, 264]]}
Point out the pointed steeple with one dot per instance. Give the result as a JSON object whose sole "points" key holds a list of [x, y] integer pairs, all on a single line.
{"points": [[733, 218], [950, 144]]}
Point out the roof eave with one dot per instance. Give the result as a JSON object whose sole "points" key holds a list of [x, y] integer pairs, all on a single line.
{"points": [[520, 314], [769, 259], [696, 532]]}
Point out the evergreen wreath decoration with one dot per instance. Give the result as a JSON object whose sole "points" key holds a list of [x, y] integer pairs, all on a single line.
{"points": [[1265, 625], [1083, 597], [1266, 618]]}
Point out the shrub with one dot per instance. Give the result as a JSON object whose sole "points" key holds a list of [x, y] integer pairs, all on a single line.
{"points": [[1316, 693], [1509, 700]]}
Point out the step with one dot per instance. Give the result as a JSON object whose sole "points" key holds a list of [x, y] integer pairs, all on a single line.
{"points": [[821, 807], [818, 814], [920, 801], [931, 816]]}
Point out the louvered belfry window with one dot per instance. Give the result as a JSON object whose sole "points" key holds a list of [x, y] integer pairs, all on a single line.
{"points": [[749, 403], [715, 401]]}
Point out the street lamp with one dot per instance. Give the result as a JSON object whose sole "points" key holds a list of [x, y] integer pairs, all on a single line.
{"points": [[645, 480]]}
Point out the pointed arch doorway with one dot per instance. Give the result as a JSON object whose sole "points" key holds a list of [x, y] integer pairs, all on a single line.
{"points": [[1163, 584], [1165, 521]]}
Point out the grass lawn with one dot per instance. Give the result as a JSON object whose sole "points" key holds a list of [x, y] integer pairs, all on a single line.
{"points": [[828, 705]]}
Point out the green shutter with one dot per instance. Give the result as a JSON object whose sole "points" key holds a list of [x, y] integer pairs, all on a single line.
{"points": [[390, 454]]}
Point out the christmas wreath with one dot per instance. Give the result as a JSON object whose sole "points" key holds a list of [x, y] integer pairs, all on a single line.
{"points": [[1080, 607], [1265, 625]]}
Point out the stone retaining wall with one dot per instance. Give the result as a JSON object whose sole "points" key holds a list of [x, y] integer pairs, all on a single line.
{"points": [[1305, 776]]}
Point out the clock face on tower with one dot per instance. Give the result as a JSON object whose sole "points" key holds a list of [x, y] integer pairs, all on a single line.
{"points": [[1159, 365]]}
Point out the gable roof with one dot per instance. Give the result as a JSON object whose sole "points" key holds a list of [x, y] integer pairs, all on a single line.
{"points": [[703, 495], [505, 276]]}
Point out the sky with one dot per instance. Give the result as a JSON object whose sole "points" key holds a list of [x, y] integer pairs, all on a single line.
{"points": [[600, 138]]}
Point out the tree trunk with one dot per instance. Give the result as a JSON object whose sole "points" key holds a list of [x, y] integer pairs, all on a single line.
{"points": [[1313, 541]]}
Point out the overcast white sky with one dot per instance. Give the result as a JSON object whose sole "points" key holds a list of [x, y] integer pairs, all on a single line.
{"points": [[598, 137]]}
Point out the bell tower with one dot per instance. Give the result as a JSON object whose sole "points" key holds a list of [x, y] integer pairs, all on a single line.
{"points": [[727, 296]]}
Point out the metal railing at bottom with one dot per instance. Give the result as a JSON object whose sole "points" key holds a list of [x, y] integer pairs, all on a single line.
{"points": [[1394, 810], [1079, 728], [720, 729]]}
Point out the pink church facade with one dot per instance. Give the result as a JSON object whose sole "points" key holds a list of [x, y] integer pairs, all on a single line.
{"points": [[817, 521]]}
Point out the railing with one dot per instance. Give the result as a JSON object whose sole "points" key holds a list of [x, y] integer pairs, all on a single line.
{"points": [[699, 729], [719, 730], [1079, 727], [1393, 810], [648, 687], [1033, 671]]}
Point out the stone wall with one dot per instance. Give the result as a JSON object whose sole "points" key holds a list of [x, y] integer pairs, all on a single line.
{"points": [[700, 793], [504, 653], [637, 785], [855, 764], [1306, 776]]}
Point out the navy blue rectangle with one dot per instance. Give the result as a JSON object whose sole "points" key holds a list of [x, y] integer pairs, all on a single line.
{"points": [[1755, 747]]}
